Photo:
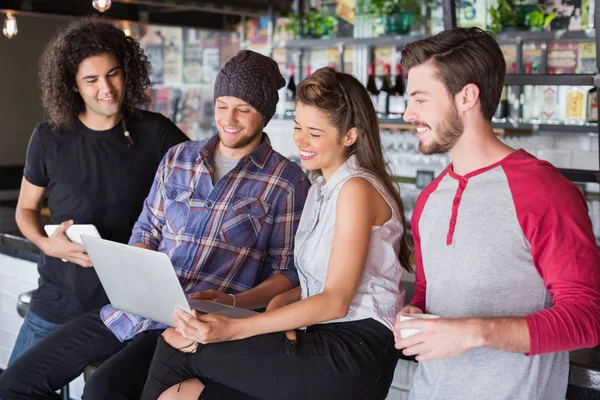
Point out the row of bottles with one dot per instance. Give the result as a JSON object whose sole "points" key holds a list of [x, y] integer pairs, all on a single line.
{"points": [[528, 104], [389, 101], [546, 103]]}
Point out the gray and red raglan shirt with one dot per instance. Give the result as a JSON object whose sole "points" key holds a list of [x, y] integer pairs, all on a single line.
{"points": [[513, 239]]}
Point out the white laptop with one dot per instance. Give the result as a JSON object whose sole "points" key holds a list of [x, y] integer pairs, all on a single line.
{"points": [[143, 282]]}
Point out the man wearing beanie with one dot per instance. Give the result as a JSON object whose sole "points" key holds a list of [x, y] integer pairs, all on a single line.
{"points": [[225, 211]]}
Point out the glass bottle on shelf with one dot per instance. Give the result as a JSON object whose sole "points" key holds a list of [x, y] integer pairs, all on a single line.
{"points": [[549, 104], [290, 94], [397, 101], [384, 92], [575, 110], [529, 100], [592, 105], [500, 114], [513, 99], [372, 86]]}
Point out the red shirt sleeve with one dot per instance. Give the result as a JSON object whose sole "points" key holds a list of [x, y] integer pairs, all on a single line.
{"points": [[553, 215]]}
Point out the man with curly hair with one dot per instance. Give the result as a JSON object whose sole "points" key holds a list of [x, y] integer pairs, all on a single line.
{"points": [[225, 211], [92, 171]]}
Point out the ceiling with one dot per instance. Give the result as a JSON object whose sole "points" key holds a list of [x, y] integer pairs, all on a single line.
{"points": [[211, 14]]}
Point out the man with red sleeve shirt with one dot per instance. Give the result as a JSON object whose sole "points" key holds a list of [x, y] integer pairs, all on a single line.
{"points": [[503, 242]]}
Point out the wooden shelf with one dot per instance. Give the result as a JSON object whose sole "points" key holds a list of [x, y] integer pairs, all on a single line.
{"points": [[549, 79]]}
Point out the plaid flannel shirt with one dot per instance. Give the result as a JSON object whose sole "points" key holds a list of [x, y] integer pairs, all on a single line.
{"points": [[230, 236]]}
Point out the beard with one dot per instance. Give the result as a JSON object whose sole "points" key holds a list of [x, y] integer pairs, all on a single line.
{"points": [[241, 141], [449, 131]]}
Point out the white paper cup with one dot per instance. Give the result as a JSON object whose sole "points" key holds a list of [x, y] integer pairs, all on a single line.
{"points": [[406, 333]]}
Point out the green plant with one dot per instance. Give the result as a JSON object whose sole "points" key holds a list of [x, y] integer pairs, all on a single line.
{"points": [[503, 15], [538, 20], [381, 8], [315, 23]]}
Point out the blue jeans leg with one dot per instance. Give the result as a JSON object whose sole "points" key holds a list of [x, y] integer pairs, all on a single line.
{"points": [[34, 329]]}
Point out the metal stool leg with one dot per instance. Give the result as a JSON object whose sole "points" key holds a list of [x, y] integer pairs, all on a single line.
{"points": [[65, 392]]}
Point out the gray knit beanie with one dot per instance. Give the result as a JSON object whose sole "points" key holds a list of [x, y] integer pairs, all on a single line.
{"points": [[253, 78]]}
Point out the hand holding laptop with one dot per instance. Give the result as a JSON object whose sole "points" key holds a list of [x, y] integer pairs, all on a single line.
{"points": [[143, 282], [207, 328], [214, 295]]}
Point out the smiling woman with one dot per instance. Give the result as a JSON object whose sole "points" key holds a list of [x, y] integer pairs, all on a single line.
{"points": [[331, 337]]}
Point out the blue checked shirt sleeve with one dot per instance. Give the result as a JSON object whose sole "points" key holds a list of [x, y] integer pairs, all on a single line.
{"points": [[125, 325], [148, 228], [280, 255]]}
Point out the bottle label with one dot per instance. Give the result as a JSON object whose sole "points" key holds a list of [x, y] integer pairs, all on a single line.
{"points": [[592, 106], [382, 103], [397, 104], [374, 99], [575, 105], [549, 107]]}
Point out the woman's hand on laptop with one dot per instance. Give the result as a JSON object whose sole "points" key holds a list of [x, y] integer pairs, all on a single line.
{"points": [[206, 328], [213, 295], [58, 245]]}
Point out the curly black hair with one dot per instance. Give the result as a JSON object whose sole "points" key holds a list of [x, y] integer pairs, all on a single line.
{"points": [[83, 38]]}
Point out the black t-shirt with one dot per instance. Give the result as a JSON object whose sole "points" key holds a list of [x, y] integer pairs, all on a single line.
{"points": [[92, 177]]}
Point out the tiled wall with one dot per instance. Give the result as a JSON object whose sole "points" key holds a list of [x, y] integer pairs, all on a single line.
{"points": [[16, 277]]}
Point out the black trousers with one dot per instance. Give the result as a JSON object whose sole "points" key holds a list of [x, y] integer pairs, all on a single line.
{"points": [[62, 356], [349, 360]]}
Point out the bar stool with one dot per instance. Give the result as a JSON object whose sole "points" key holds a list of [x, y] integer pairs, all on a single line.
{"points": [[22, 307], [90, 368]]}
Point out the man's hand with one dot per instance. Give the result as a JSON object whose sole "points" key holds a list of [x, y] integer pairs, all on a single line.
{"points": [[409, 309], [213, 295], [58, 245], [277, 302], [439, 338]]}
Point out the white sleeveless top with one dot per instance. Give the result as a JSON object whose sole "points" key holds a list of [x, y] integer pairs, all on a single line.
{"points": [[380, 294]]}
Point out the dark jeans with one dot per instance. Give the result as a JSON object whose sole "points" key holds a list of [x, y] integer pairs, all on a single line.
{"points": [[350, 360], [34, 329], [62, 356]]}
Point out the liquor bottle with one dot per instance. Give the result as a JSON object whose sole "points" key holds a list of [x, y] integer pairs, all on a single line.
{"points": [[512, 113], [549, 104], [538, 95], [372, 86], [290, 94], [397, 101], [500, 114], [575, 111], [592, 105], [528, 100], [384, 93]]}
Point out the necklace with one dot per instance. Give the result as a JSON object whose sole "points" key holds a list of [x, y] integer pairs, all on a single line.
{"points": [[130, 142]]}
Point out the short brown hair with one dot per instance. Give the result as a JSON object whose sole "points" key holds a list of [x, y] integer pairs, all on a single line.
{"points": [[463, 56]]}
